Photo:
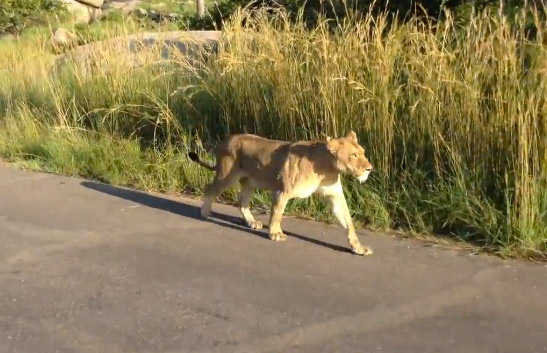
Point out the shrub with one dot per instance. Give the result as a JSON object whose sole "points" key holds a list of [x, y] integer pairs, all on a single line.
{"points": [[16, 15]]}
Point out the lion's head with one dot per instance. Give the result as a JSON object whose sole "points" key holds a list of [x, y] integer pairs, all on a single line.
{"points": [[350, 156]]}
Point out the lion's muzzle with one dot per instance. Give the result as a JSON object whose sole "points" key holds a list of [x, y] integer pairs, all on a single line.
{"points": [[364, 176]]}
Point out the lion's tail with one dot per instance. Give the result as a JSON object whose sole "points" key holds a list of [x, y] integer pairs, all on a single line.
{"points": [[194, 157]]}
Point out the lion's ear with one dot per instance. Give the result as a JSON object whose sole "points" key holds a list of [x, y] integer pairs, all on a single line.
{"points": [[332, 145], [351, 135], [329, 138]]}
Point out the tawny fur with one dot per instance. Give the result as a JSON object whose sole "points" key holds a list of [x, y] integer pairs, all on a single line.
{"points": [[288, 170]]}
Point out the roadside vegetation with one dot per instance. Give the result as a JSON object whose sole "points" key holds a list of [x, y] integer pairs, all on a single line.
{"points": [[452, 114]]}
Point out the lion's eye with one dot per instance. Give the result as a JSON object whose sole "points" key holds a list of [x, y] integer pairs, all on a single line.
{"points": [[354, 155]]}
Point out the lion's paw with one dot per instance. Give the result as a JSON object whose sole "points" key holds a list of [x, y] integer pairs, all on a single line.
{"points": [[362, 250], [280, 236], [255, 224]]}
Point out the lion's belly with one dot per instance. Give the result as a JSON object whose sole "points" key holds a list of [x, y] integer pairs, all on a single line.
{"points": [[305, 189]]}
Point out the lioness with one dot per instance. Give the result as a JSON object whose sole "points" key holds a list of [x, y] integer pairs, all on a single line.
{"points": [[289, 170]]}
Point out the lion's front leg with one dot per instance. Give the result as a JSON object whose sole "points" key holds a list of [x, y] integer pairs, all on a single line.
{"points": [[340, 209], [279, 202]]}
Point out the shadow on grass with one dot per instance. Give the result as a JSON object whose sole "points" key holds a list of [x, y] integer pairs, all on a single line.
{"points": [[190, 211]]}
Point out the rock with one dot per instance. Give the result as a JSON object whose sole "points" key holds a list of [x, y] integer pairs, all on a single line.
{"points": [[192, 47], [125, 6], [7, 37], [93, 3], [81, 13], [154, 15], [141, 13], [63, 38], [173, 16]]}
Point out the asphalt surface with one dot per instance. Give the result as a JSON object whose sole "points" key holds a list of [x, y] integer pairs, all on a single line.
{"points": [[86, 267]]}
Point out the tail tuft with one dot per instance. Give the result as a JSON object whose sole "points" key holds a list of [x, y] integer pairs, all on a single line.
{"points": [[195, 158]]}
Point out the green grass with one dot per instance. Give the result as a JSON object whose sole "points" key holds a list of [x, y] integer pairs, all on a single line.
{"points": [[452, 118]]}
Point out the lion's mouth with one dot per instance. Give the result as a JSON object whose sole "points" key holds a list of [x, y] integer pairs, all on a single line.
{"points": [[363, 177]]}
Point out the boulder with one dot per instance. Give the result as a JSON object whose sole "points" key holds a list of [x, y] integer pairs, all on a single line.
{"points": [[141, 13], [93, 3], [7, 37], [173, 16], [63, 38], [125, 6], [191, 47], [155, 15], [82, 13]]}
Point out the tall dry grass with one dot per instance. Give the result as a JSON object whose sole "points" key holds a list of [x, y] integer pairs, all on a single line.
{"points": [[452, 116]]}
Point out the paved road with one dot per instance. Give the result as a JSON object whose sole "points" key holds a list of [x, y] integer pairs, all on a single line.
{"points": [[91, 268]]}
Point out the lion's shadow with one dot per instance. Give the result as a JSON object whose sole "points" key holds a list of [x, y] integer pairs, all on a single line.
{"points": [[193, 212]]}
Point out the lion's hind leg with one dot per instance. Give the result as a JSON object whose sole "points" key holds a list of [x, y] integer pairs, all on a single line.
{"points": [[226, 177], [245, 194]]}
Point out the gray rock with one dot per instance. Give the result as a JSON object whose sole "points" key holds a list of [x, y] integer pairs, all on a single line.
{"points": [[141, 12], [126, 7], [63, 38], [82, 13], [7, 37], [154, 15], [193, 47], [173, 16]]}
